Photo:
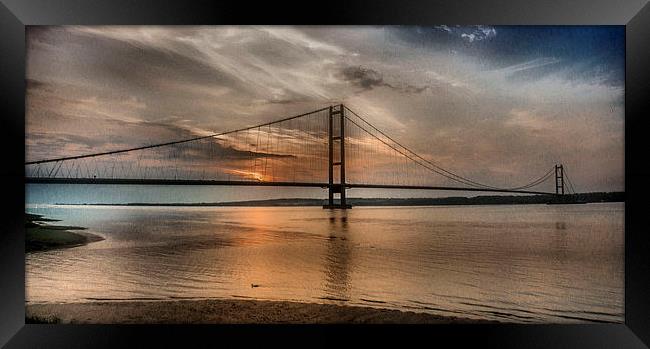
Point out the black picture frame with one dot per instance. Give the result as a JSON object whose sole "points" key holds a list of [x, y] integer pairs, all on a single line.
{"points": [[634, 15]]}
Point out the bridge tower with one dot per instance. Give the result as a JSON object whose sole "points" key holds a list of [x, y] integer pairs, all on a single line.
{"points": [[559, 179], [336, 145]]}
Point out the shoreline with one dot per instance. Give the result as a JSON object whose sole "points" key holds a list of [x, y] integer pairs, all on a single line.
{"points": [[596, 197], [40, 236], [225, 311]]}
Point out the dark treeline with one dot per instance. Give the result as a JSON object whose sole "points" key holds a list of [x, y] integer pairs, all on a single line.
{"points": [[477, 200]]}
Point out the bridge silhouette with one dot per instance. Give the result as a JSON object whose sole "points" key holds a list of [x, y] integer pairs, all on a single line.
{"points": [[332, 148]]}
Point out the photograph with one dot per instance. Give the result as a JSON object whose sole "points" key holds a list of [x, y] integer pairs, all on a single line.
{"points": [[325, 174]]}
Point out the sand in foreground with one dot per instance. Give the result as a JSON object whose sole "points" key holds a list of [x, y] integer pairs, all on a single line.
{"points": [[225, 312]]}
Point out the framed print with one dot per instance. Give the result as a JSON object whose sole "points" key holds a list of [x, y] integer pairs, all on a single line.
{"points": [[458, 171]]}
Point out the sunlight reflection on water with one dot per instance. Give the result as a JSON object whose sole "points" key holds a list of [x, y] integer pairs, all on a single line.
{"points": [[527, 263]]}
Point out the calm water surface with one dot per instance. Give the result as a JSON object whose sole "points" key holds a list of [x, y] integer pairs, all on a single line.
{"points": [[526, 263]]}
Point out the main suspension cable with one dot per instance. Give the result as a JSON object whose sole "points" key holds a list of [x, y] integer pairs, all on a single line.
{"points": [[174, 142], [448, 174]]}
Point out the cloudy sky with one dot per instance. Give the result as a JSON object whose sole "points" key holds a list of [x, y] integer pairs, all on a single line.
{"points": [[500, 105]]}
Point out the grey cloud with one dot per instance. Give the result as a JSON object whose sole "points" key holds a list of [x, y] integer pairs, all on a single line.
{"points": [[68, 138], [232, 153], [368, 79], [363, 77], [47, 145], [469, 33], [211, 149], [414, 89], [102, 65], [137, 65]]}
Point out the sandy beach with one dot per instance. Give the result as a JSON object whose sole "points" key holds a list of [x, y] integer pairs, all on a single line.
{"points": [[218, 311], [41, 236]]}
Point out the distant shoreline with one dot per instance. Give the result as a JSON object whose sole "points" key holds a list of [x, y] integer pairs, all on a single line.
{"points": [[225, 311], [446, 201]]}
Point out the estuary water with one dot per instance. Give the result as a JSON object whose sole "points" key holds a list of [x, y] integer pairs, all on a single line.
{"points": [[511, 263]]}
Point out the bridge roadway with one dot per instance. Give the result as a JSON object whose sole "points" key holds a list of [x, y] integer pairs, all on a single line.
{"points": [[135, 181]]}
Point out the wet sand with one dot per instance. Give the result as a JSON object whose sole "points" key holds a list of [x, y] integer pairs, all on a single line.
{"points": [[40, 236], [218, 311]]}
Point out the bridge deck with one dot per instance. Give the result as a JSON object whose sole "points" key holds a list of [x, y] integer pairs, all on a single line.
{"points": [[128, 181]]}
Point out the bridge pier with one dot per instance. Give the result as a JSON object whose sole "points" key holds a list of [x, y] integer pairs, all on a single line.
{"points": [[336, 188]]}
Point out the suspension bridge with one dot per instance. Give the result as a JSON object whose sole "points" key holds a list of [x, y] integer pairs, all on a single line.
{"points": [[333, 148]]}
